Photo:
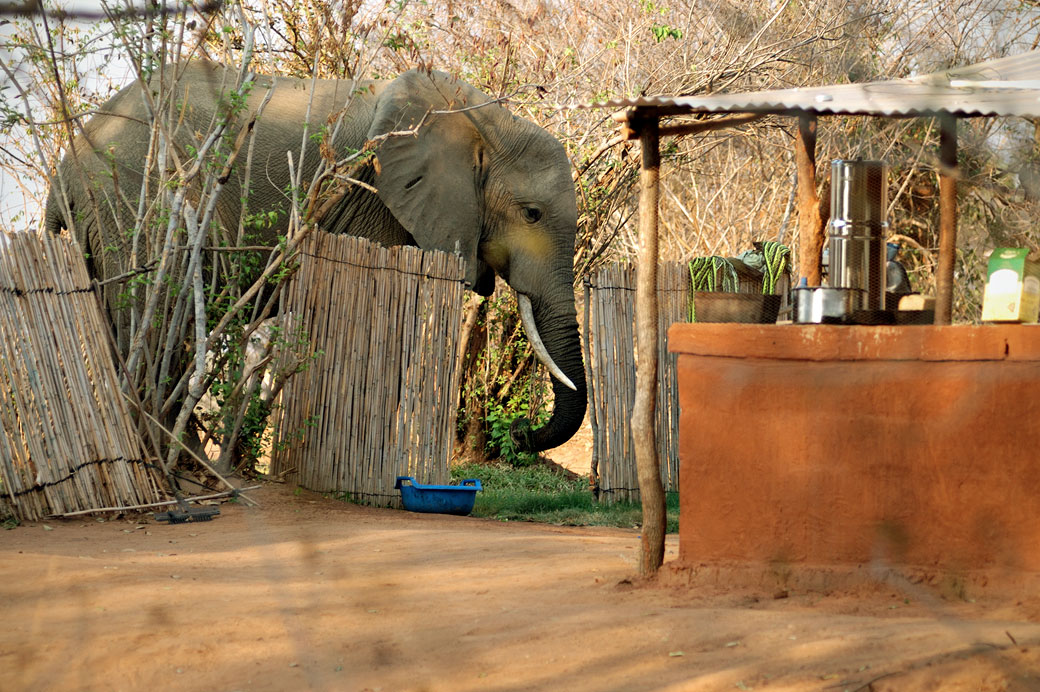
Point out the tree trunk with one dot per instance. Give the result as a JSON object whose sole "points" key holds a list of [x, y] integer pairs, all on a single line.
{"points": [[651, 490], [811, 218], [947, 220], [472, 342]]}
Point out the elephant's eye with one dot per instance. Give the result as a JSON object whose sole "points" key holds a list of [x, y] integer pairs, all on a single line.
{"points": [[531, 214]]}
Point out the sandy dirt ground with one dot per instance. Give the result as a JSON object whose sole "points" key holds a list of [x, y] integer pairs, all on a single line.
{"points": [[308, 593]]}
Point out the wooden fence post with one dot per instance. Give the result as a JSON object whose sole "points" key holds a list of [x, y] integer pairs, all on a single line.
{"points": [[651, 491], [947, 219], [811, 235]]}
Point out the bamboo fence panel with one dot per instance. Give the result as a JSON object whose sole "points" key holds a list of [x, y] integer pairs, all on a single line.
{"points": [[379, 399], [611, 335], [68, 442]]}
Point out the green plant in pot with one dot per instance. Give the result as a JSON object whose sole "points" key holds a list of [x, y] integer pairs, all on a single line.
{"points": [[714, 284]]}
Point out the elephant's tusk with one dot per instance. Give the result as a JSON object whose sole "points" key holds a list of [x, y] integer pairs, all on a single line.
{"points": [[527, 319]]}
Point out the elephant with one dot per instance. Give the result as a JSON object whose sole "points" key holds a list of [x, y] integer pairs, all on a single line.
{"points": [[467, 176]]}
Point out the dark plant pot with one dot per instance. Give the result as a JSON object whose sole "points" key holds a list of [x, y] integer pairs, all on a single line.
{"points": [[712, 306]]}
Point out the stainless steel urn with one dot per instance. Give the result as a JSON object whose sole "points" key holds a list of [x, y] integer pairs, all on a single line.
{"points": [[856, 244]]}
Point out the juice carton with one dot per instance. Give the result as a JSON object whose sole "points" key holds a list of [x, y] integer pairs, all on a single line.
{"points": [[1012, 291]]}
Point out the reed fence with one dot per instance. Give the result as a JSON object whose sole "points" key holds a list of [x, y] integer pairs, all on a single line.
{"points": [[68, 442], [611, 356], [610, 301], [379, 399]]}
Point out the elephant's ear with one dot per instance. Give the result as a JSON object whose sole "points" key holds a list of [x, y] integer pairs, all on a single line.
{"points": [[431, 180]]}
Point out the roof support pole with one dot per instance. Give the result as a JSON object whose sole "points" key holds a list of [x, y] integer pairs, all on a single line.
{"points": [[811, 228], [648, 468], [948, 174]]}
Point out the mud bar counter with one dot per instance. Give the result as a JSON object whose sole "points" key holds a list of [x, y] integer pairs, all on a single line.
{"points": [[846, 445]]}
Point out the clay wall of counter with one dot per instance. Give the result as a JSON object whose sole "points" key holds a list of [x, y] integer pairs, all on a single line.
{"points": [[835, 445]]}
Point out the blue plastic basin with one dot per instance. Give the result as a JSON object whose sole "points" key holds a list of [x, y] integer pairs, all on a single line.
{"points": [[438, 499]]}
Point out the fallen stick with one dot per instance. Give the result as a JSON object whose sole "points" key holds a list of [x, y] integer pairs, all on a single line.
{"points": [[164, 503]]}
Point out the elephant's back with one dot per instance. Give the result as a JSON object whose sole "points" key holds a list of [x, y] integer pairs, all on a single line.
{"points": [[285, 104], [115, 142], [203, 86]]}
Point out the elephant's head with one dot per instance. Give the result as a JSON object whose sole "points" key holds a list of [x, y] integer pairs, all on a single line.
{"points": [[471, 164]]}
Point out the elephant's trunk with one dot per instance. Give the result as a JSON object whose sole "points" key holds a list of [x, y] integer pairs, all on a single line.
{"points": [[556, 327]]}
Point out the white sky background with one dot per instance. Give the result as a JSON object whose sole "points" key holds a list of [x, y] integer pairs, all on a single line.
{"points": [[100, 68]]}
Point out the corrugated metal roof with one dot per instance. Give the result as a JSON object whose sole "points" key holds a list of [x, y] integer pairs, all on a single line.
{"points": [[1005, 86]]}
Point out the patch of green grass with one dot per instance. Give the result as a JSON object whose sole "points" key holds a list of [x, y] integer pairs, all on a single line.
{"points": [[542, 494]]}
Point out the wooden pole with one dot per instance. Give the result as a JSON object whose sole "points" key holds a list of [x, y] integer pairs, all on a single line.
{"points": [[589, 370], [948, 174], [651, 491], [150, 505], [811, 221]]}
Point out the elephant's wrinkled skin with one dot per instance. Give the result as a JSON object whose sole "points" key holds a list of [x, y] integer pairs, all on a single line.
{"points": [[479, 181]]}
